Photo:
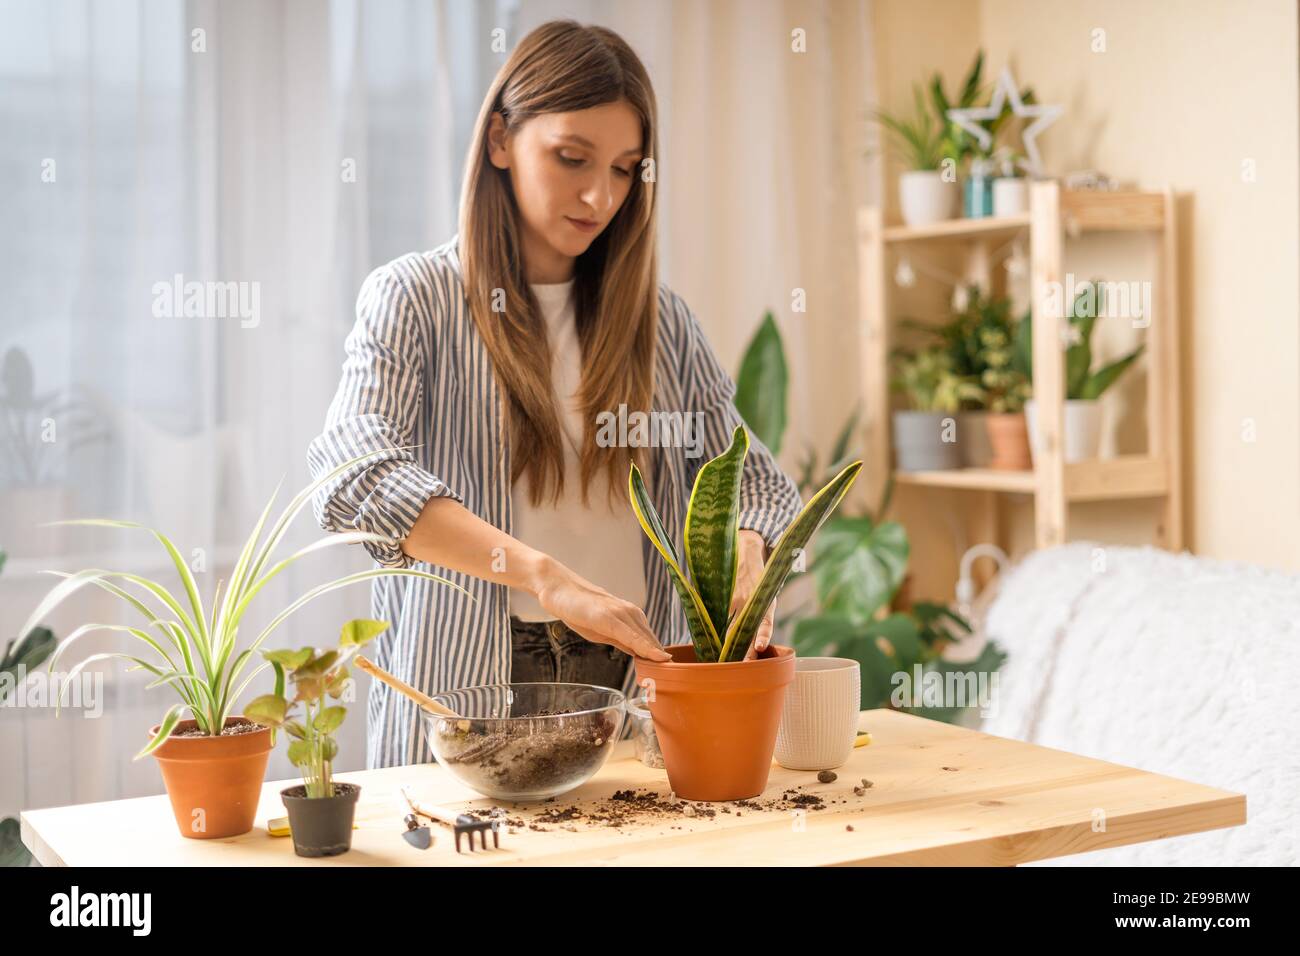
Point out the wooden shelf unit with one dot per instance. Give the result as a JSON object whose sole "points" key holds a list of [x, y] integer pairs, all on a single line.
{"points": [[1054, 214]]}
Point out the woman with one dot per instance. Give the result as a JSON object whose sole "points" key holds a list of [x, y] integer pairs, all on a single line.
{"points": [[490, 369]]}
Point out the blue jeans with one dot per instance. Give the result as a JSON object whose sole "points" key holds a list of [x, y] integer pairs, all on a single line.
{"points": [[552, 651]]}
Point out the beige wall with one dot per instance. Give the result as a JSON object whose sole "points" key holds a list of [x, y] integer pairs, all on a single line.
{"points": [[1185, 95]]}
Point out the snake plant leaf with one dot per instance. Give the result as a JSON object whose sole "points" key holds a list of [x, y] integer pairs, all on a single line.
{"points": [[710, 536], [703, 635], [1105, 376], [745, 624]]}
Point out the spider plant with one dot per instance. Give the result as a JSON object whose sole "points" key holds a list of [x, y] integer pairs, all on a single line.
{"points": [[704, 585], [195, 649]]}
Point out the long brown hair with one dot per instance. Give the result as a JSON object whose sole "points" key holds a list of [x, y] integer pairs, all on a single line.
{"points": [[563, 66]]}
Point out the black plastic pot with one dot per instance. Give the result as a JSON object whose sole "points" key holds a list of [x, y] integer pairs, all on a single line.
{"points": [[321, 826]]}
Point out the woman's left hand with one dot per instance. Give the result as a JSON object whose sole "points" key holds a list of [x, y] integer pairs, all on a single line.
{"points": [[749, 569]]}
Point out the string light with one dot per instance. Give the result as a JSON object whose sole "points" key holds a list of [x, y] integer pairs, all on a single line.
{"points": [[904, 277], [909, 267]]}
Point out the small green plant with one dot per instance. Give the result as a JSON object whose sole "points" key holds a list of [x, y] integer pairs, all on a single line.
{"points": [[985, 346], [927, 377], [317, 677], [918, 139], [1003, 382], [1081, 383], [959, 143], [705, 582], [195, 650]]}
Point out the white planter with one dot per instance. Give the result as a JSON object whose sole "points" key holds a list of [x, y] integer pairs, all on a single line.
{"points": [[1010, 196], [1082, 428], [924, 197]]}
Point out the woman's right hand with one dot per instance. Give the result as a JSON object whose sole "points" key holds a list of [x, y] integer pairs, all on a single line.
{"points": [[597, 615]]}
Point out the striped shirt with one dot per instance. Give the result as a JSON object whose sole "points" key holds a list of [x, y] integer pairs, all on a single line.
{"points": [[417, 376]]}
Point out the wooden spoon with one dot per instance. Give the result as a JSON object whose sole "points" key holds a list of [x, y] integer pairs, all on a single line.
{"points": [[424, 700]]}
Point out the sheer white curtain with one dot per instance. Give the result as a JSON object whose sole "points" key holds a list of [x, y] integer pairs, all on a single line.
{"points": [[286, 146], [290, 146]]}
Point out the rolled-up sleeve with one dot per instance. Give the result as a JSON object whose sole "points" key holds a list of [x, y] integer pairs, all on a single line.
{"points": [[373, 414], [769, 498]]}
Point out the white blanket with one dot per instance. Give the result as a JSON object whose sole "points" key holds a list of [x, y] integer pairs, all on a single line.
{"points": [[1170, 663]]}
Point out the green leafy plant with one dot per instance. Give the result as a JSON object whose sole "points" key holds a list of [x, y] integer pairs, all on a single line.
{"points": [[927, 377], [959, 143], [21, 656], [918, 139], [195, 650], [705, 582], [927, 137], [317, 677], [1081, 383], [987, 347], [858, 570], [762, 385]]}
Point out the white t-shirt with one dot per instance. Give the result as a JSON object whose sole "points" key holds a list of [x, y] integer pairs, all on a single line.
{"points": [[602, 545]]}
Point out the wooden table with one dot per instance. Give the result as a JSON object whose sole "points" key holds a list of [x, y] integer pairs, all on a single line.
{"points": [[940, 795]]}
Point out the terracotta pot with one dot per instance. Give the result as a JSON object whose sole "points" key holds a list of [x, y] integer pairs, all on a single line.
{"points": [[976, 452], [717, 723], [214, 782], [1010, 440]]}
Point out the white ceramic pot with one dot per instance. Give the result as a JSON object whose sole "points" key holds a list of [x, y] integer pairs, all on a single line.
{"points": [[1082, 427], [924, 197], [1010, 196]]}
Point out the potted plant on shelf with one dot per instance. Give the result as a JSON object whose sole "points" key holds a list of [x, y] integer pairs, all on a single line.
{"points": [[1004, 380], [979, 157], [927, 193], [926, 436], [715, 713], [213, 762], [321, 811], [966, 338], [1083, 387]]}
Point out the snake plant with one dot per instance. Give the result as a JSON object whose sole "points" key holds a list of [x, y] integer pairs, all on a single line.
{"points": [[705, 582], [194, 649]]}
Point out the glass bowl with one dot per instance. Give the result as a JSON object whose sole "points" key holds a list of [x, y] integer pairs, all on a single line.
{"points": [[525, 742]]}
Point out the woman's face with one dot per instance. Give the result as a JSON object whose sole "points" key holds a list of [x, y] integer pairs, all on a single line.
{"points": [[571, 173]]}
